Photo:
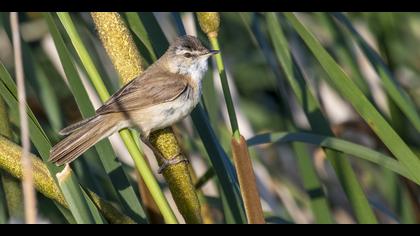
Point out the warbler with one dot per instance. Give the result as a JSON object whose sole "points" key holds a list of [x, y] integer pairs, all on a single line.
{"points": [[165, 93]]}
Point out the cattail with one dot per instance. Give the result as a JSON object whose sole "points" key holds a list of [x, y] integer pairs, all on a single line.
{"points": [[177, 176], [10, 159], [124, 55], [247, 181], [119, 44], [209, 23]]}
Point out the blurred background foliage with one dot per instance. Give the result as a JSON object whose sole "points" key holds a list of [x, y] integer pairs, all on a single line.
{"points": [[265, 102]]}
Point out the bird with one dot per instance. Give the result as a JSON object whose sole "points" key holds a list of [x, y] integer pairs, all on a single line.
{"points": [[165, 93]]}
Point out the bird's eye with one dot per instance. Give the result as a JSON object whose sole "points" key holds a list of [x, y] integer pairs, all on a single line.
{"points": [[187, 55]]}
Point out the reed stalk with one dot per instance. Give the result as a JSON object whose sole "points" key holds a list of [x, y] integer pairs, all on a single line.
{"points": [[247, 180], [29, 196], [125, 134], [210, 24], [124, 55]]}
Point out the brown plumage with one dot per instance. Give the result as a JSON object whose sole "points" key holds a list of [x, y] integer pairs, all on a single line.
{"points": [[164, 94]]}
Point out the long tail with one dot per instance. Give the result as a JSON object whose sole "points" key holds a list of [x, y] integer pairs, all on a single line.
{"points": [[82, 136]]}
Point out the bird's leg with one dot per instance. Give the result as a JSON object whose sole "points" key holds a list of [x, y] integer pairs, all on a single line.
{"points": [[175, 159]]}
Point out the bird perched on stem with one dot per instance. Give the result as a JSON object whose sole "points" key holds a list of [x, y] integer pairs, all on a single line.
{"points": [[164, 94]]}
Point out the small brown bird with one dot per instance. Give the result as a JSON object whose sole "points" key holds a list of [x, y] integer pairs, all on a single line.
{"points": [[164, 94]]}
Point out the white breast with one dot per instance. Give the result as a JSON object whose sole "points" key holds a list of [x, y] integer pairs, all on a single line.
{"points": [[196, 72], [169, 113]]}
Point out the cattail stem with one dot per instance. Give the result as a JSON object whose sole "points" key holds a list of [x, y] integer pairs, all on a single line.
{"points": [[206, 213], [247, 182], [177, 176], [27, 183], [210, 23], [103, 93], [225, 87], [120, 47], [10, 159]]}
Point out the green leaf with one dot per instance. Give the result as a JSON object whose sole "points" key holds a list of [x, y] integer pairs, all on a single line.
{"points": [[349, 91], [137, 26], [312, 185], [318, 122], [46, 91], [337, 144], [207, 176], [84, 55], [345, 52], [222, 165], [394, 90], [78, 206], [156, 35], [37, 135], [310, 179]]}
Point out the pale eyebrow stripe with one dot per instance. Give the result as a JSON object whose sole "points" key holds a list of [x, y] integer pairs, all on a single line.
{"points": [[182, 51]]}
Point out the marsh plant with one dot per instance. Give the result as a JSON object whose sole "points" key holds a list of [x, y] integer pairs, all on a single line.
{"points": [[303, 118]]}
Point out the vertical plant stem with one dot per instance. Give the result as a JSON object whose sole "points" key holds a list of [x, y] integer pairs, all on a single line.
{"points": [[3, 206], [312, 185], [247, 181], [125, 134], [206, 213], [28, 189], [233, 209], [147, 175], [126, 196], [177, 176], [209, 23], [229, 190], [225, 86], [120, 47]]}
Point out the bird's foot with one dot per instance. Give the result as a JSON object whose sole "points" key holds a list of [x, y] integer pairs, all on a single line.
{"points": [[178, 158]]}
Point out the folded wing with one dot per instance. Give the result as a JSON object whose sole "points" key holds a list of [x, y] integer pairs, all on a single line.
{"points": [[144, 92]]}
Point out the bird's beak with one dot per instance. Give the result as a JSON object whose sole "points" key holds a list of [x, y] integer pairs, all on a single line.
{"points": [[213, 52], [209, 53]]}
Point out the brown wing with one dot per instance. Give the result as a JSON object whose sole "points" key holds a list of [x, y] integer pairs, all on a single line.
{"points": [[145, 91]]}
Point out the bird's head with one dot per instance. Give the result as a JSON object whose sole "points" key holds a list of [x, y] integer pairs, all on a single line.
{"points": [[188, 56]]}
